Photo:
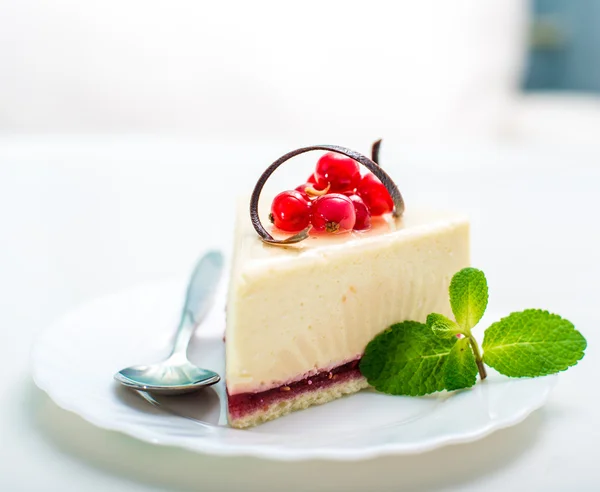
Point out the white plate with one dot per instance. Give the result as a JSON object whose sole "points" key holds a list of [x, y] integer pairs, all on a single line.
{"points": [[74, 361]]}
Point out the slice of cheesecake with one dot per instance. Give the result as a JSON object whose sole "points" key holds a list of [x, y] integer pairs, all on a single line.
{"points": [[300, 317]]}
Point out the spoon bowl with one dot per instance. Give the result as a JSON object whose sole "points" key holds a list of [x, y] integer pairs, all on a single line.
{"points": [[176, 374], [169, 377]]}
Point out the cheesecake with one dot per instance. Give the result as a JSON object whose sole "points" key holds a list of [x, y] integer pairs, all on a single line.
{"points": [[302, 308], [299, 317]]}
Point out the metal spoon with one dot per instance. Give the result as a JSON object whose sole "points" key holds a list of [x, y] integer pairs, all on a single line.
{"points": [[177, 375]]}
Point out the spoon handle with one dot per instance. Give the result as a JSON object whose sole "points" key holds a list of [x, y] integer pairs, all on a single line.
{"points": [[199, 297]]}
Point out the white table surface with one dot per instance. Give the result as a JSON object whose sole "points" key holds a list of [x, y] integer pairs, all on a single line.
{"points": [[82, 217]]}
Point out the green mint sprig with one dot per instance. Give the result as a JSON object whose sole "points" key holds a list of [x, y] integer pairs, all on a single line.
{"points": [[415, 359]]}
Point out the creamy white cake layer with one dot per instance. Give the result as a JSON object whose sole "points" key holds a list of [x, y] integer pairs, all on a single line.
{"points": [[294, 311]]}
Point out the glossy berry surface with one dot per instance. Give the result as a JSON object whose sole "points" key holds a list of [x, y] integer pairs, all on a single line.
{"points": [[340, 171], [363, 216], [375, 195], [333, 213], [290, 211]]}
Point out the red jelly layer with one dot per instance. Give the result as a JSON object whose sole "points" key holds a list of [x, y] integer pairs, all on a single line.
{"points": [[247, 403]]}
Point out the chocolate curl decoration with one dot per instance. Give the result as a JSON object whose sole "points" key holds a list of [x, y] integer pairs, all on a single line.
{"points": [[375, 151], [370, 164]]}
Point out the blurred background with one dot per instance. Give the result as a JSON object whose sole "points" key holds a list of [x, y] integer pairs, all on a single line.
{"points": [[564, 44], [320, 71]]}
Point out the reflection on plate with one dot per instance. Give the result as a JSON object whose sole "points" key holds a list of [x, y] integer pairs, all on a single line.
{"points": [[75, 358]]}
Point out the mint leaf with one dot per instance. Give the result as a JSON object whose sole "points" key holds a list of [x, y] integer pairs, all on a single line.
{"points": [[442, 326], [532, 343], [461, 369], [406, 359], [468, 296]]}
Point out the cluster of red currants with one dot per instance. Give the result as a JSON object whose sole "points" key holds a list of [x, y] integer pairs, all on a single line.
{"points": [[336, 198]]}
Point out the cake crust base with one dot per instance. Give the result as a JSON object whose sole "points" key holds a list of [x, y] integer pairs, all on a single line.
{"points": [[300, 401]]}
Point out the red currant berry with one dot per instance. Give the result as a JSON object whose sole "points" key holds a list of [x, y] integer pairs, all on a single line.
{"points": [[375, 195], [290, 211], [363, 216], [333, 213], [340, 171]]}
